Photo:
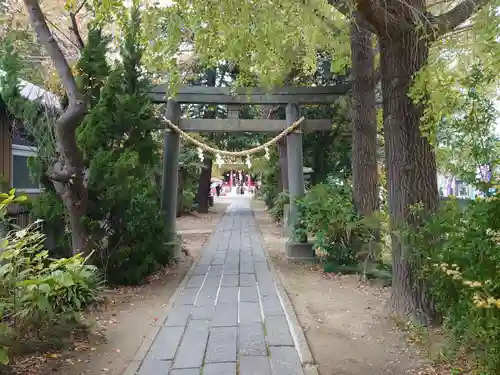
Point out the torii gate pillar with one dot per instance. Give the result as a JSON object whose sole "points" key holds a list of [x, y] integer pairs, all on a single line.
{"points": [[297, 250], [171, 150], [295, 163]]}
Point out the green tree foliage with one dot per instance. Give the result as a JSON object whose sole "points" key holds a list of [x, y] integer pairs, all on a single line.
{"points": [[265, 39], [460, 119], [189, 168], [328, 152], [116, 139]]}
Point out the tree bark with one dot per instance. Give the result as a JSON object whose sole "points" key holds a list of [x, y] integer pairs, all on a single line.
{"points": [[405, 31], [204, 185], [180, 190], [206, 171], [364, 123], [410, 164], [68, 175]]}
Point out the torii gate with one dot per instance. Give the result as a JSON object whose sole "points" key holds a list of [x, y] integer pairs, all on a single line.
{"points": [[292, 97]]}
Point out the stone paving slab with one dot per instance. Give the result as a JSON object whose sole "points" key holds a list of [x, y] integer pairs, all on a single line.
{"points": [[254, 365], [228, 319], [252, 340], [165, 344], [285, 361], [222, 345], [155, 366]]}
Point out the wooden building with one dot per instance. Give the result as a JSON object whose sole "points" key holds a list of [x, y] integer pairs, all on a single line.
{"points": [[15, 144]]}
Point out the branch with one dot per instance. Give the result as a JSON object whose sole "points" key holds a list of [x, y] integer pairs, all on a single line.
{"points": [[67, 123], [446, 22], [47, 40], [58, 173], [74, 25], [59, 177], [79, 8], [383, 21], [343, 8], [76, 31], [60, 31]]}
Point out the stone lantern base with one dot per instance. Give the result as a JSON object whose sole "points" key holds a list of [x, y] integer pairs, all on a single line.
{"points": [[300, 252]]}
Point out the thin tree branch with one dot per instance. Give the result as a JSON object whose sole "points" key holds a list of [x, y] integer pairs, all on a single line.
{"points": [[54, 51], [67, 123], [76, 31], [61, 32], [79, 8]]}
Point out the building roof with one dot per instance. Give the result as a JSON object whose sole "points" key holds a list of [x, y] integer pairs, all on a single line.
{"points": [[36, 94]]}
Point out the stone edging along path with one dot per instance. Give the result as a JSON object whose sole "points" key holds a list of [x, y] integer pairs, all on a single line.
{"points": [[230, 314]]}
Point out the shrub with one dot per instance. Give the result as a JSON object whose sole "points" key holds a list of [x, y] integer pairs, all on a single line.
{"points": [[135, 248], [459, 251], [277, 209], [327, 213], [327, 216], [37, 292]]}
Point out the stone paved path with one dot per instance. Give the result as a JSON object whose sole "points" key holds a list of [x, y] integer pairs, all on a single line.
{"points": [[228, 320]]}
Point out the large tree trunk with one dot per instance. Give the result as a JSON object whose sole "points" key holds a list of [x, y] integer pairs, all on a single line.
{"points": [[204, 185], [206, 171], [68, 174], [410, 164], [364, 122]]}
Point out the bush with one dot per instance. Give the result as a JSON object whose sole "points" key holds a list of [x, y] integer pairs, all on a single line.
{"points": [[460, 254], [37, 292], [277, 209], [135, 248], [327, 213]]}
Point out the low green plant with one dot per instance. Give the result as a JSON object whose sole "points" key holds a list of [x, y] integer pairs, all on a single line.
{"points": [[37, 292], [277, 210], [327, 213], [327, 216], [458, 252]]}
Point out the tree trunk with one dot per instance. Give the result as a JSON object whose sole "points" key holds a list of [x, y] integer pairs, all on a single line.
{"points": [[411, 167], [206, 171], [364, 122], [68, 175], [204, 185], [180, 190]]}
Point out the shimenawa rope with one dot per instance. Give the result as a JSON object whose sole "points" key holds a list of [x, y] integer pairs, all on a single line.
{"points": [[250, 151]]}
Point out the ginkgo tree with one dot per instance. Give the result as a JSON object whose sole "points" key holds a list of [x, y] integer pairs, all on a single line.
{"points": [[271, 38]]}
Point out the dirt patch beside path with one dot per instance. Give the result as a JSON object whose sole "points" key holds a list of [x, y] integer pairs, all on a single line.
{"points": [[345, 322], [119, 330]]}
